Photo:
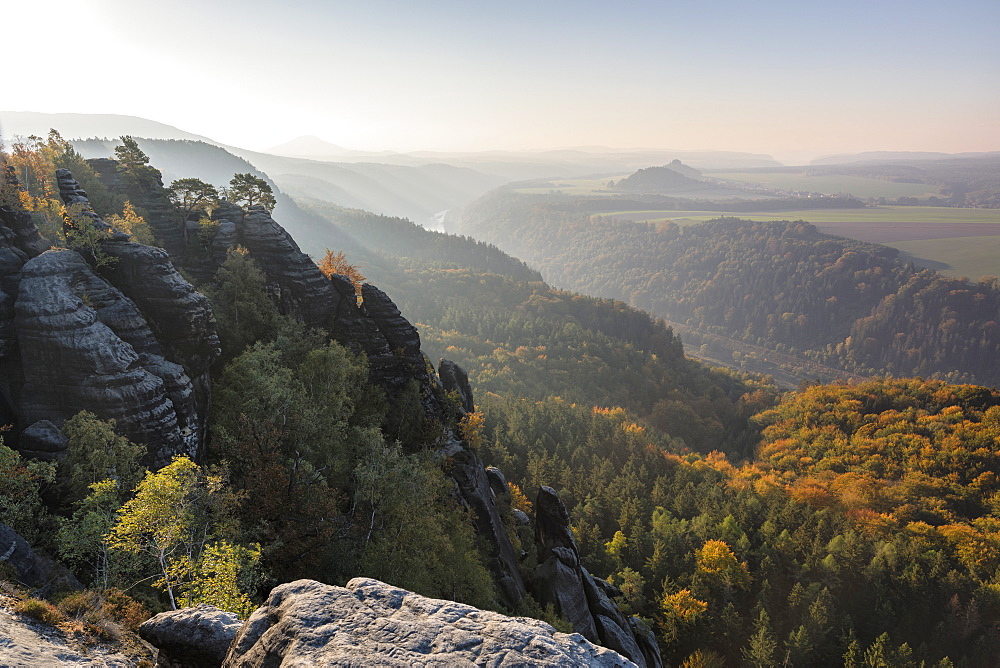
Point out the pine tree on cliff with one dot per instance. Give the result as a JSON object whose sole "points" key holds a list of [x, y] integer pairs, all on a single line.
{"points": [[247, 190]]}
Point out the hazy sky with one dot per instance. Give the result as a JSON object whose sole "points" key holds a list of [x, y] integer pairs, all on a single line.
{"points": [[784, 78]]}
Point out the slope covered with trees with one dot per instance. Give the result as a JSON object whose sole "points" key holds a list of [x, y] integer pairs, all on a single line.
{"points": [[781, 285]]}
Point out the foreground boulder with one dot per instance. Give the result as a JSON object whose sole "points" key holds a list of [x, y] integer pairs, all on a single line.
{"points": [[372, 623], [195, 637]]}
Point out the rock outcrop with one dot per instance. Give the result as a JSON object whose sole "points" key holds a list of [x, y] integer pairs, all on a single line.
{"points": [[371, 623], [159, 212], [197, 637], [298, 285], [560, 579], [179, 317], [85, 346], [33, 569], [454, 379]]}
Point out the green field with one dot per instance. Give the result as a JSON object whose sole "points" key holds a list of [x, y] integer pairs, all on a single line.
{"points": [[972, 257], [858, 186], [879, 214], [574, 186]]}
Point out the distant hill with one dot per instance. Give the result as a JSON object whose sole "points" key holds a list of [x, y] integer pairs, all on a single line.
{"points": [[86, 126], [673, 178]]}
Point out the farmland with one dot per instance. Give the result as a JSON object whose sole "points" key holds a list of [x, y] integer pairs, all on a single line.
{"points": [[858, 186]]}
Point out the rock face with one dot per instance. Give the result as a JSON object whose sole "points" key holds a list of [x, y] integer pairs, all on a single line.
{"points": [[299, 286], [160, 213], [197, 637], [33, 569], [179, 317], [44, 441], [85, 346], [454, 379], [561, 579], [371, 623]]}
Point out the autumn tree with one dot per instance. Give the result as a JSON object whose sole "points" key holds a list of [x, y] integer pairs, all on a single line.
{"points": [[337, 264], [248, 190], [174, 514], [132, 223]]}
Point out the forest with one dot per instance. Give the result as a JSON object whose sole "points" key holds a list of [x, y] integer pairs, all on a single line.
{"points": [[852, 525], [781, 285]]}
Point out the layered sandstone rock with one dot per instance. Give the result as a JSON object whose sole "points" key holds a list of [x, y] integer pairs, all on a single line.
{"points": [[85, 346]]}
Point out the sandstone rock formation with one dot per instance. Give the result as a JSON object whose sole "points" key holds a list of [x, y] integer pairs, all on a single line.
{"points": [[560, 579], [299, 286], [454, 379], [197, 637], [71, 340], [159, 212], [371, 623], [85, 346]]}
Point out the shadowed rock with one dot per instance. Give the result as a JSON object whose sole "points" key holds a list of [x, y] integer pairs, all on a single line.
{"points": [[85, 346], [44, 441], [560, 579], [454, 379], [301, 288], [372, 623], [33, 569], [197, 637]]}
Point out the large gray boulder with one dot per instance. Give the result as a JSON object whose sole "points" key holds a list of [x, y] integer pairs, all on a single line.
{"points": [[306, 623], [197, 637]]}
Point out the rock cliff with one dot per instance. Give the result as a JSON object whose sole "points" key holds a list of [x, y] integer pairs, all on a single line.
{"points": [[133, 344], [560, 579], [369, 622]]}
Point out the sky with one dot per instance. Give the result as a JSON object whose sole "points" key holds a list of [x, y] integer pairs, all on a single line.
{"points": [[788, 79]]}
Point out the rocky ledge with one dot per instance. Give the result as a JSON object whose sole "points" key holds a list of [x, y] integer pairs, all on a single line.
{"points": [[369, 622]]}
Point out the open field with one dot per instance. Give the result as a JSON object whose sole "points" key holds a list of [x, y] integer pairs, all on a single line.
{"points": [[972, 257], [858, 186], [873, 215]]}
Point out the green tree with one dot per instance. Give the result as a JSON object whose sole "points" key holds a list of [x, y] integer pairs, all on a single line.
{"points": [[96, 453], [762, 644], [21, 485], [83, 539], [134, 165], [243, 311], [191, 196], [174, 513], [248, 190]]}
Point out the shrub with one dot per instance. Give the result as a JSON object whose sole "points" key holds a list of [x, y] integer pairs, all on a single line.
{"points": [[40, 610]]}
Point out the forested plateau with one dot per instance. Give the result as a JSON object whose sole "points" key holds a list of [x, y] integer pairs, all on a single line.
{"points": [[739, 525]]}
